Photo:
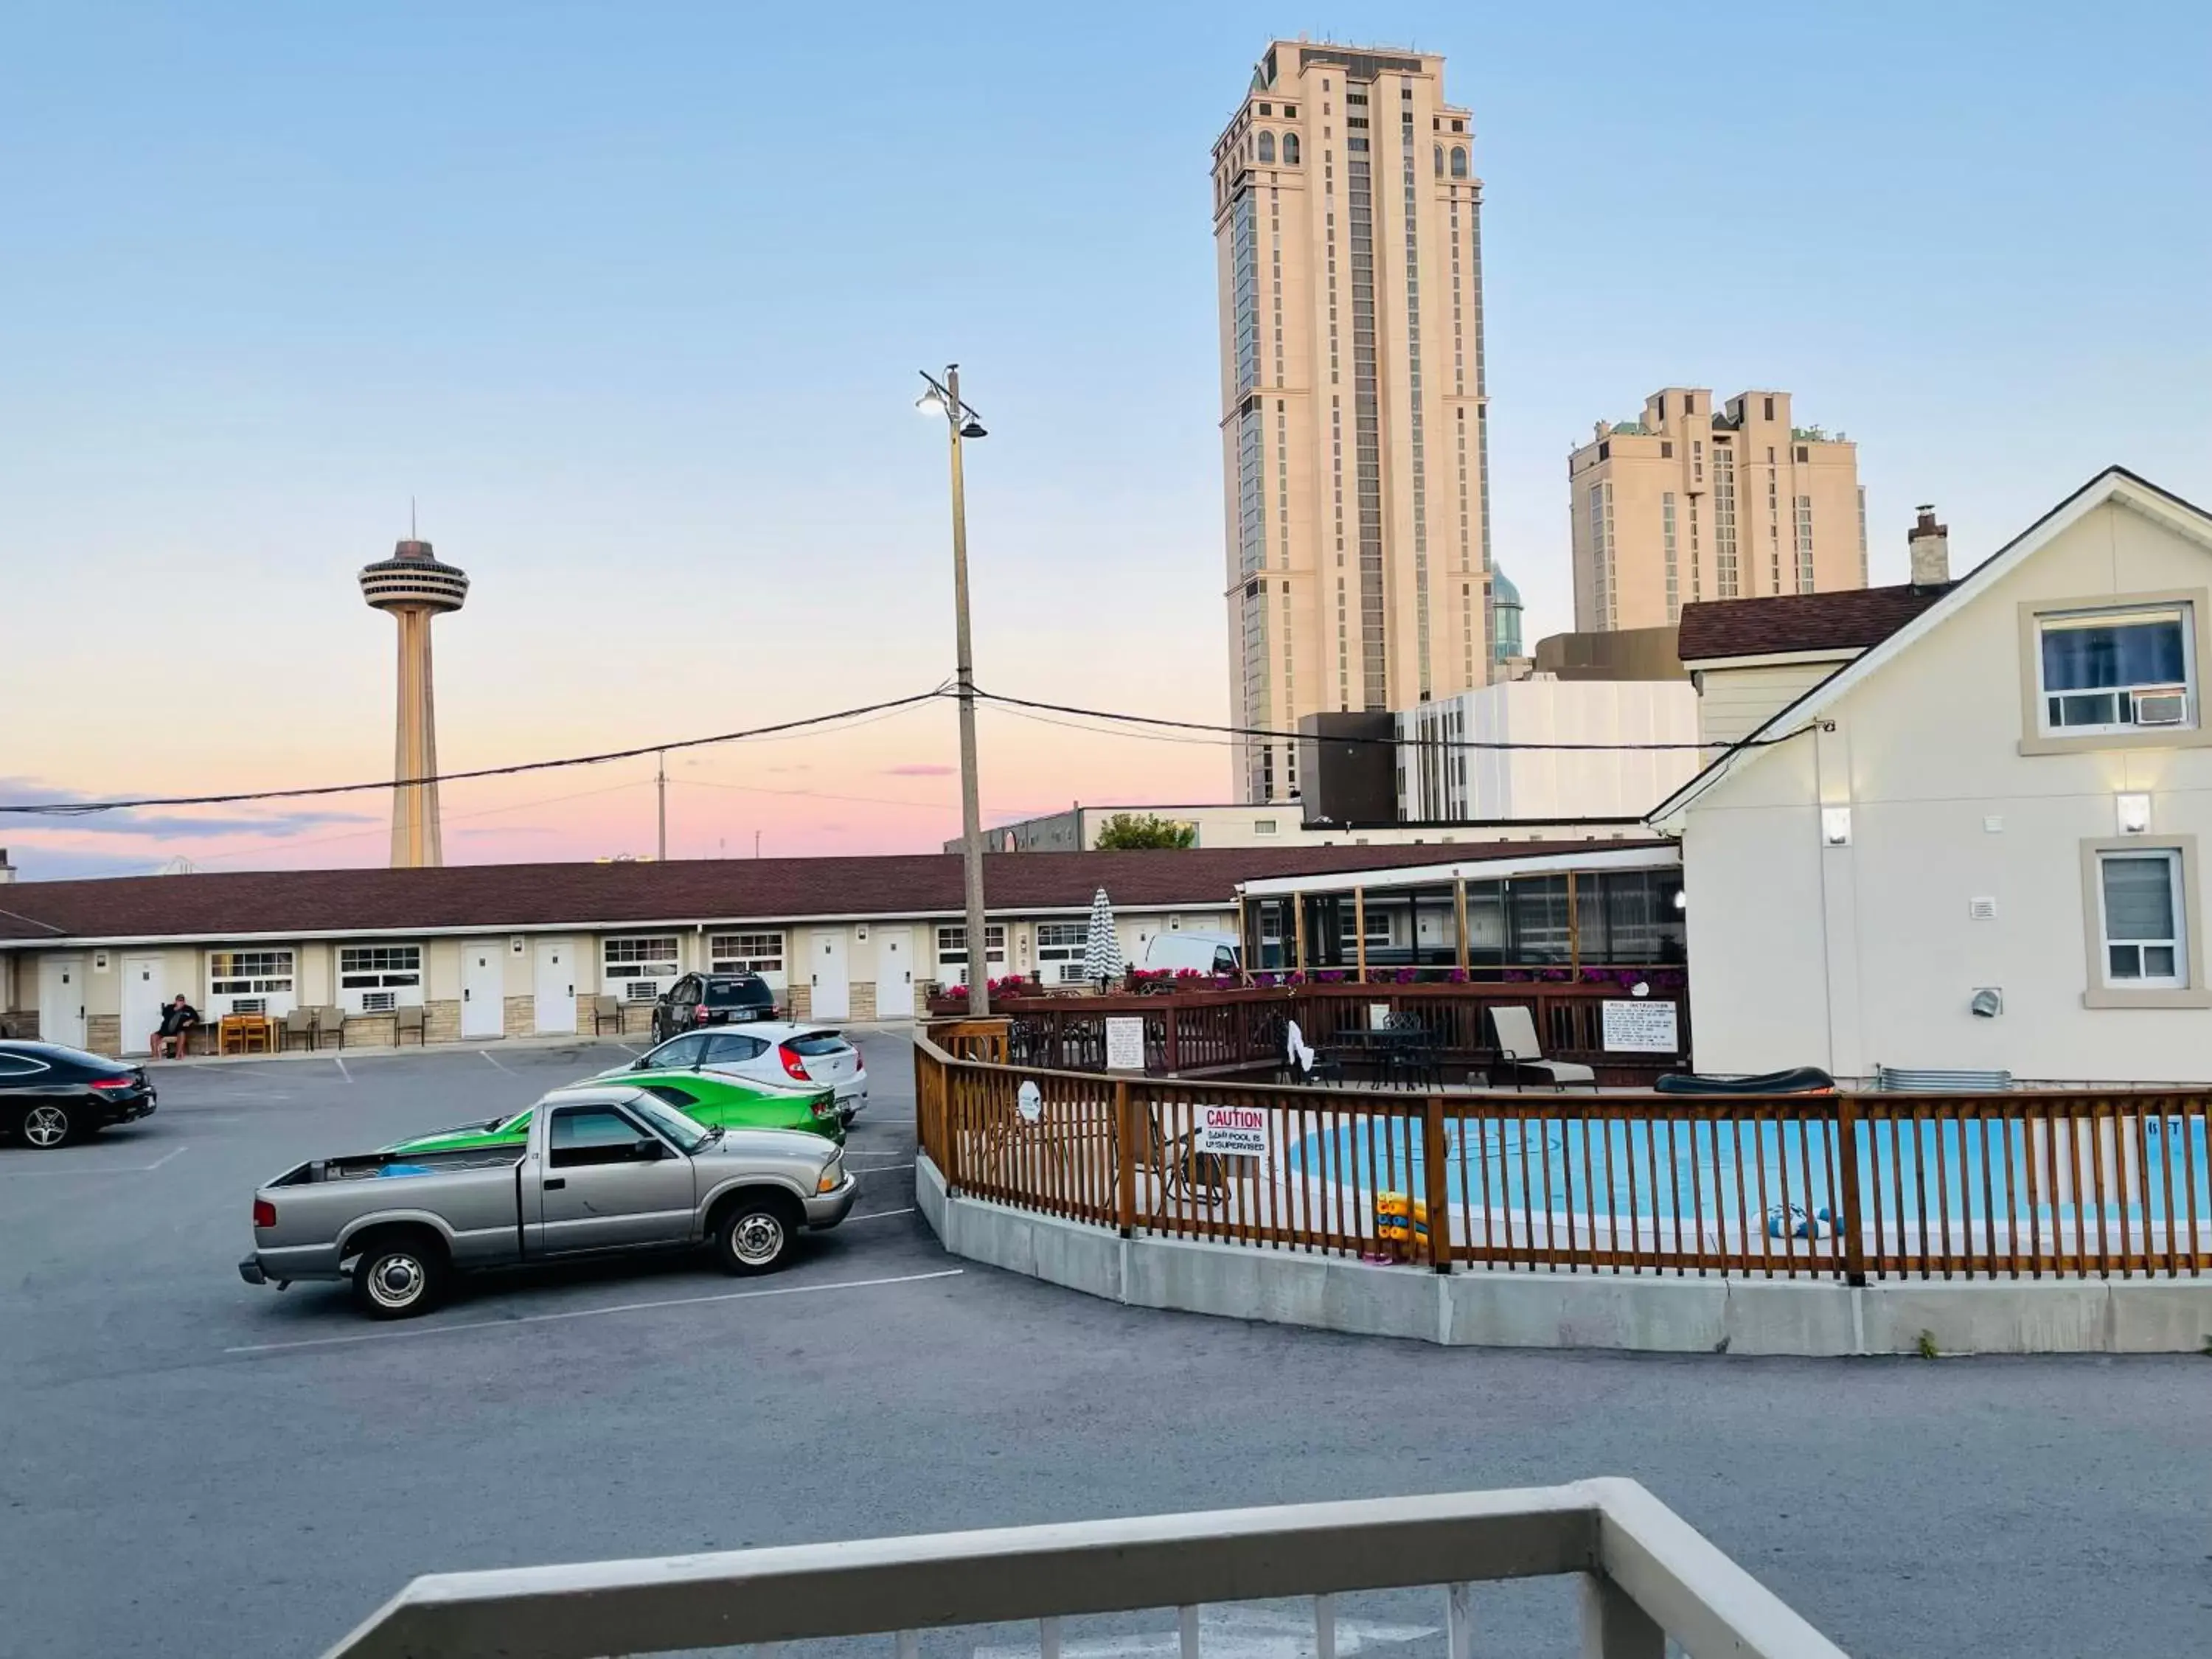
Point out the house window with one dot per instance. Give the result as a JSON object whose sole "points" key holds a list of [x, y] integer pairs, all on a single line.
{"points": [[634, 967], [1263, 826], [952, 944], [745, 953], [2141, 922], [2103, 671]]}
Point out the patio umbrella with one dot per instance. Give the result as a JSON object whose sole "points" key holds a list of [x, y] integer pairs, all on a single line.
{"points": [[1102, 950]]}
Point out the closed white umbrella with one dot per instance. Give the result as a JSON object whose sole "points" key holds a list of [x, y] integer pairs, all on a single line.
{"points": [[1102, 950]]}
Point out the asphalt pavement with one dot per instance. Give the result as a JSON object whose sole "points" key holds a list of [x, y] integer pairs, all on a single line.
{"points": [[189, 1465]]}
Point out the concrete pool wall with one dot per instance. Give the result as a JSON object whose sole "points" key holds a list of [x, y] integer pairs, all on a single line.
{"points": [[1652, 1312]]}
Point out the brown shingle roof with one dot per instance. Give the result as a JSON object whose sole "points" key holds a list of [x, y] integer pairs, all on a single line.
{"points": [[1853, 619], [501, 897]]}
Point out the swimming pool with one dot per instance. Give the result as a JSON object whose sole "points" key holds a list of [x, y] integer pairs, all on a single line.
{"points": [[1742, 1175]]}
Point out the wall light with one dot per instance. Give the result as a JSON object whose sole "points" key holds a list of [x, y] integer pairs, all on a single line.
{"points": [[2135, 813], [1835, 826]]}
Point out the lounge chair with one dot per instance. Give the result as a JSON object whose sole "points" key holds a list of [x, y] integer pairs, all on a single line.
{"points": [[330, 1023], [1518, 1051], [606, 1011], [404, 1020]]}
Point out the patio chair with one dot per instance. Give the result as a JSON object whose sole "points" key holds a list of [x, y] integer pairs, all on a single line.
{"points": [[298, 1027], [1301, 1064], [330, 1023], [1518, 1051], [606, 1011], [404, 1020]]}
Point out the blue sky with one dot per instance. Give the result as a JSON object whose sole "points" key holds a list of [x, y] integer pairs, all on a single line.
{"points": [[631, 298]]}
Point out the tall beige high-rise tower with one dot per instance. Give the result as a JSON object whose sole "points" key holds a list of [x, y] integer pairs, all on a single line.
{"points": [[1347, 224], [414, 586], [1697, 502]]}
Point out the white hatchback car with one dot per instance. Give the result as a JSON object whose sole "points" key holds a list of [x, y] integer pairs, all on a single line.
{"points": [[772, 1052]]}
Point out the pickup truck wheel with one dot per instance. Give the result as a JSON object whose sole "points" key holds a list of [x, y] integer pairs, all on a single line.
{"points": [[756, 1234], [398, 1279]]}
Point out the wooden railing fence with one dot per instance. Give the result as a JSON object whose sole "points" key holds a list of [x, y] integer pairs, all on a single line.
{"points": [[1850, 1185], [1189, 1031]]}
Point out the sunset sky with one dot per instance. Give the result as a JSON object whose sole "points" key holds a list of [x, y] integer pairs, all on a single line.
{"points": [[631, 298]]}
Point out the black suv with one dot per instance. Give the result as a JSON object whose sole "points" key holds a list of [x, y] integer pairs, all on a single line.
{"points": [[698, 999]]}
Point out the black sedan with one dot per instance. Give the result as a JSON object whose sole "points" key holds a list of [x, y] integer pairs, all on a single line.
{"points": [[50, 1095]]}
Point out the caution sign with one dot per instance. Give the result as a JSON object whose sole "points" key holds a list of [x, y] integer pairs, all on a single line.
{"points": [[1232, 1131]]}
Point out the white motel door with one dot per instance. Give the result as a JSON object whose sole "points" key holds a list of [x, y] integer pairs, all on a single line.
{"points": [[484, 988], [894, 972], [142, 1003], [61, 1001], [556, 986], [832, 979]]}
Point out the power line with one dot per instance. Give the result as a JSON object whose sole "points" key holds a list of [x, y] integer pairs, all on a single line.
{"points": [[80, 809], [1389, 742]]}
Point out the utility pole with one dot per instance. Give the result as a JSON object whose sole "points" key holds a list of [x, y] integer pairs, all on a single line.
{"points": [[961, 421], [661, 784]]}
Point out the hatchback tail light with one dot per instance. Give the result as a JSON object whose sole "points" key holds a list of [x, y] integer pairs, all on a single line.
{"points": [[792, 1061], [699, 1015], [264, 1213]]}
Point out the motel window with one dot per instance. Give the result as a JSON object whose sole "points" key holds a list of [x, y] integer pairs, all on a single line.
{"points": [[634, 966], [1263, 826], [745, 953], [249, 973], [251, 982], [375, 979], [2141, 919], [952, 944], [2116, 671], [1060, 948]]}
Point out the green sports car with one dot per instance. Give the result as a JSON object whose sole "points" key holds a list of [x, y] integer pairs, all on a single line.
{"points": [[710, 1100]]}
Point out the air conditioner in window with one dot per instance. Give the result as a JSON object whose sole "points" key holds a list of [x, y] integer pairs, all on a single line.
{"points": [[2167, 705], [378, 1002], [249, 1004]]}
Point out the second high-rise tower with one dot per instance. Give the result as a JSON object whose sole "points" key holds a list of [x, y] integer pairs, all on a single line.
{"points": [[1348, 222]]}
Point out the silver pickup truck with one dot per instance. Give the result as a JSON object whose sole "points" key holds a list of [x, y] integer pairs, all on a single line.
{"points": [[606, 1170]]}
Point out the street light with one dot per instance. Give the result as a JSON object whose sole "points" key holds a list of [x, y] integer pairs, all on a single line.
{"points": [[960, 421]]}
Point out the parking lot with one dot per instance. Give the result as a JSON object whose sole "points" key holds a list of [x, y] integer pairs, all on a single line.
{"points": [[189, 1464]]}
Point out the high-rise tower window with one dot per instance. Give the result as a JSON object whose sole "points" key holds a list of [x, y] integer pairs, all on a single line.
{"points": [[1267, 148], [1458, 162], [1290, 149]]}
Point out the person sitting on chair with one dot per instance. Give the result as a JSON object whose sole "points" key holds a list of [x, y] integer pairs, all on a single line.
{"points": [[178, 1019]]}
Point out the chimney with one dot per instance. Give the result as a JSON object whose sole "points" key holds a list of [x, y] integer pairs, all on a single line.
{"points": [[1930, 546], [7, 869]]}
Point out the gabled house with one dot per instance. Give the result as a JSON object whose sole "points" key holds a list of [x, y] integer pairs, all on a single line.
{"points": [[1959, 826]]}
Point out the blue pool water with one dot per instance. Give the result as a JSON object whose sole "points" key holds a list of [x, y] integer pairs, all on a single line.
{"points": [[1780, 1178]]}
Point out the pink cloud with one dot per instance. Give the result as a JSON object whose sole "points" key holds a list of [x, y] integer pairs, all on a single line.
{"points": [[921, 770]]}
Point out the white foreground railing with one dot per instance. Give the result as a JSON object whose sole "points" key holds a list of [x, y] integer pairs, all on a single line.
{"points": [[1647, 1575]]}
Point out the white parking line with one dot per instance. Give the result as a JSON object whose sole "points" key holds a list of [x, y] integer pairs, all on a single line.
{"points": [[587, 1313], [487, 1053], [874, 1169], [878, 1215], [339, 1061], [43, 1169]]}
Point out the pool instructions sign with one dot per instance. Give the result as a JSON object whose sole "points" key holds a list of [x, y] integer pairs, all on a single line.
{"points": [[1644, 1027], [1231, 1131]]}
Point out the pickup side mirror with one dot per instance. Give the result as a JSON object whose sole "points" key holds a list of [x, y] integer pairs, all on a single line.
{"points": [[646, 1150]]}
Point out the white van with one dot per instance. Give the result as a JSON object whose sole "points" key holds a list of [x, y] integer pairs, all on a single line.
{"points": [[1203, 953]]}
